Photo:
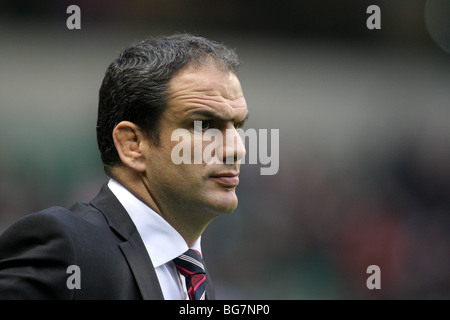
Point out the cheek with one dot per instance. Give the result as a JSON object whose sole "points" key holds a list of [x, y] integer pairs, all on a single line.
{"points": [[166, 165], [183, 147], [179, 156]]}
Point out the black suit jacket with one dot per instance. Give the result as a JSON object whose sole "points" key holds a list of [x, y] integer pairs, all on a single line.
{"points": [[99, 237]]}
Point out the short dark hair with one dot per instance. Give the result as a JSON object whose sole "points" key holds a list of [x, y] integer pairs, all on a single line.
{"points": [[135, 85]]}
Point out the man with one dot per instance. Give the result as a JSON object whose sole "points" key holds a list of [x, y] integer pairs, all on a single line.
{"points": [[140, 236]]}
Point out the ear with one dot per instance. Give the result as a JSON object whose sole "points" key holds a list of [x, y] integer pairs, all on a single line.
{"points": [[130, 144]]}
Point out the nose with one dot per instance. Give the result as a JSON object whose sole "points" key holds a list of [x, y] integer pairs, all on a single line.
{"points": [[233, 147]]}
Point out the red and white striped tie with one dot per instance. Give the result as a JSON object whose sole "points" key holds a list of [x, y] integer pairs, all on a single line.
{"points": [[190, 265]]}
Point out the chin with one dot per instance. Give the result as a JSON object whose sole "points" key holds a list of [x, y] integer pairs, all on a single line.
{"points": [[226, 203]]}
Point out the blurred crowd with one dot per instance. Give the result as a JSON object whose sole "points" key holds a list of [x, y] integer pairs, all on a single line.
{"points": [[312, 232], [364, 120]]}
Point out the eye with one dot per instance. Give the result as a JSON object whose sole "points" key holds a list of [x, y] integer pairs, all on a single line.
{"points": [[206, 124], [239, 124]]}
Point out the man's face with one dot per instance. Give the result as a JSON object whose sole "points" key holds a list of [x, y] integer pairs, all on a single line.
{"points": [[214, 97]]}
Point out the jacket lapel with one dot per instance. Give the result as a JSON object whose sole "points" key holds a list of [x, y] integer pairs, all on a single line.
{"points": [[209, 287], [132, 246], [142, 267]]}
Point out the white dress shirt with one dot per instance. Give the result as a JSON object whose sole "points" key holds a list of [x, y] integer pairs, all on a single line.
{"points": [[162, 241]]}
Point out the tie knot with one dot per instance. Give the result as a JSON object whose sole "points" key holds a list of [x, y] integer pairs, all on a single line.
{"points": [[190, 263]]}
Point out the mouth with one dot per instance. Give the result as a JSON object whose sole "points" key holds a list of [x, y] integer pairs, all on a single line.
{"points": [[227, 179]]}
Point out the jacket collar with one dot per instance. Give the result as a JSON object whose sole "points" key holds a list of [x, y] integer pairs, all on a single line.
{"points": [[132, 246]]}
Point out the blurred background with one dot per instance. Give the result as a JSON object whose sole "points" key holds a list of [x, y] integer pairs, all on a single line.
{"points": [[363, 117]]}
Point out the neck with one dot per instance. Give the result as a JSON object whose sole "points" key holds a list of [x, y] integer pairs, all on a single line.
{"points": [[185, 220]]}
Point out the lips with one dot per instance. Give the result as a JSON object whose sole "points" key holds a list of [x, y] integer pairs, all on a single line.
{"points": [[228, 179]]}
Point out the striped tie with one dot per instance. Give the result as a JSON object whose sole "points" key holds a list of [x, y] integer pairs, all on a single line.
{"points": [[190, 265]]}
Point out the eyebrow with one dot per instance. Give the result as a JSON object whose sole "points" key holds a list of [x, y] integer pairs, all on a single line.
{"points": [[216, 116]]}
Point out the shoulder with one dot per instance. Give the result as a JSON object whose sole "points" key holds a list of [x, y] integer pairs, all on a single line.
{"points": [[37, 249], [34, 254], [52, 221], [47, 232], [56, 230]]}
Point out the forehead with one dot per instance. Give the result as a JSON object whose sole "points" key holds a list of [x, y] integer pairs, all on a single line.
{"points": [[209, 88]]}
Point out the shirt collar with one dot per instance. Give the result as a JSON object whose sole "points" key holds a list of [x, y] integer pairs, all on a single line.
{"points": [[162, 241]]}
